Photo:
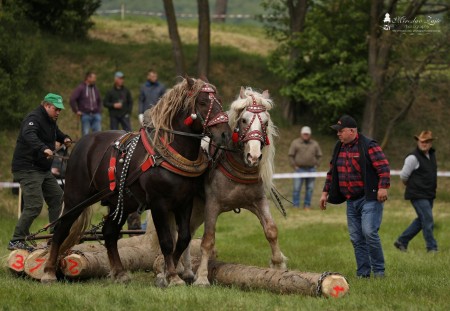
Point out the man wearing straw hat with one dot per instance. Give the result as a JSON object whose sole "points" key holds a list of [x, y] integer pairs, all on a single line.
{"points": [[31, 166], [419, 174]]}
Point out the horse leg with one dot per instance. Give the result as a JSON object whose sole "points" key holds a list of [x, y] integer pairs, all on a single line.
{"points": [[161, 221], [197, 218], [262, 211], [184, 234], [208, 241], [60, 233], [111, 232]]}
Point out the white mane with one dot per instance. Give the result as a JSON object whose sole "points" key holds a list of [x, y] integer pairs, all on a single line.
{"points": [[266, 166]]}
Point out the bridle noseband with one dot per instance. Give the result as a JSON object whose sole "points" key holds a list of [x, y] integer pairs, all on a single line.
{"points": [[248, 135]]}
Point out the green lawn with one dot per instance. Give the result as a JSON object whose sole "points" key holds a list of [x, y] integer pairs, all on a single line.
{"points": [[316, 241]]}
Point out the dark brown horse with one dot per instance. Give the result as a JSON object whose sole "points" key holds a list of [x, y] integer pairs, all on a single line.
{"points": [[182, 115]]}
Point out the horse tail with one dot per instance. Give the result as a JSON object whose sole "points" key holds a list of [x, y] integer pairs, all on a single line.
{"points": [[77, 230]]}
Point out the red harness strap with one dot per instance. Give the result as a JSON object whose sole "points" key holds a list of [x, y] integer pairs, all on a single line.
{"points": [[150, 160], [112, 173]]}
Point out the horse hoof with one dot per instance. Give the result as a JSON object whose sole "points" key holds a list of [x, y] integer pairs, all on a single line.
{"points": [[122, 278], [188, 276], [279, 266], [202, 282], [176, 281], [48, 278], [161, 281]]}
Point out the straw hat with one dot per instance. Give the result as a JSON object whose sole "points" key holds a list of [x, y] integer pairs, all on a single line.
{"points": [[424, 136]]}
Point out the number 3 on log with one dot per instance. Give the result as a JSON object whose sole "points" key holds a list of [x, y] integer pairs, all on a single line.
{"points": [[19, 263], [73, 266], [39, 262]]}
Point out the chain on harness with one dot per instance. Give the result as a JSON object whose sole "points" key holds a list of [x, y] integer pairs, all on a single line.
{"points": [[118, 212], [246, 134]]}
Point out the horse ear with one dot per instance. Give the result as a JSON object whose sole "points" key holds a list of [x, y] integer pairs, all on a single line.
{"points": [[204, 79], [190, 81], [266, 94], [242, 93]]}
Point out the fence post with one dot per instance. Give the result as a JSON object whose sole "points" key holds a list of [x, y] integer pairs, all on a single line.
{"points": [[122, 11]]}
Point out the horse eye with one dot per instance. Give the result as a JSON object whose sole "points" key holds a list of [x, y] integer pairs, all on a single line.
{"points": [[244, 121], [266, 123]]}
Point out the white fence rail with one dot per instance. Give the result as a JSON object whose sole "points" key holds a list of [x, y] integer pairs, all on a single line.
{"points": [[275, 176]]}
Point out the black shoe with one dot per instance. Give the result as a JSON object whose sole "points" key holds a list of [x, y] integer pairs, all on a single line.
{"points": [[400, 246], [19, 244]]}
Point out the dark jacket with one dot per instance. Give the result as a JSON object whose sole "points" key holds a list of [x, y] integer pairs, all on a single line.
{"points": [[423, 181], [369, 174], [116, 95], [86, 98], [149, 95], [37, 133]]}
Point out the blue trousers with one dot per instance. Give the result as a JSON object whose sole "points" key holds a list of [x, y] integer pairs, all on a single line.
{"points": [[364, 221], [309, 187], [424, 222], [91, 121]]}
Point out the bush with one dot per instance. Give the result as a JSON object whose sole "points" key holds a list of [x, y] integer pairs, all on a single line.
{"points": [[22, 64]]}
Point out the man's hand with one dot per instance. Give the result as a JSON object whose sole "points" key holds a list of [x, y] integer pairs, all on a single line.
{"points": [[382, 195], [79, 113], [141, 118], [117, 106], [323, 201], [48, 153], [67, 141]]}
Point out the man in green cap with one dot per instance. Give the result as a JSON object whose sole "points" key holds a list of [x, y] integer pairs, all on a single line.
{"points": [[31, 166]]}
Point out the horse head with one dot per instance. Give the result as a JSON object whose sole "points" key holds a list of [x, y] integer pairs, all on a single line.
{"points": [[191, 106], [206, 115], [250, 119]]}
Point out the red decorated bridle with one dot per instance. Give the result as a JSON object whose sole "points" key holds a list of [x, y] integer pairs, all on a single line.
{"points": [[246, 134], [208, 122]]}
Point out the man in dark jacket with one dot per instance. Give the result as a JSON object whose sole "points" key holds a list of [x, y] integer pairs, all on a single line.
{"points": [[359, 174], [119, 103], [31, 165], [151, 91], [419, 174], [87, 105]]}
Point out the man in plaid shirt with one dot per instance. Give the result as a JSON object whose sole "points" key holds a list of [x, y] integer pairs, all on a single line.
{"points": [[359, 174]]}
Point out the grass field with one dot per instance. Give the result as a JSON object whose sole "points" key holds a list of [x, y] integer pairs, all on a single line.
{"points": [[316, 241]]}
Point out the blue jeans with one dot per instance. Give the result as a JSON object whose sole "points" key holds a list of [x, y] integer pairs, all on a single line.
{"points": [[91, 121], [309, 185], [364, 220], [424, 222], [124, 121]]}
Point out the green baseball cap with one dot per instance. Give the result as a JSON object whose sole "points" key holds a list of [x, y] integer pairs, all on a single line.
{"points": [[55, 100]]}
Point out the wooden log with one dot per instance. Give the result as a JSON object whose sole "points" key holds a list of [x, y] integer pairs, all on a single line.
{"points": [[16, 260], [35, 262], [277, 281]]}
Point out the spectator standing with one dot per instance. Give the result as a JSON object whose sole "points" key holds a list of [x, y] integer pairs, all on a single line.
{"points": [[304, 157], [86, 103], [359, 174], [419, 174], [31, 166], [151, 91], [119, 102]]}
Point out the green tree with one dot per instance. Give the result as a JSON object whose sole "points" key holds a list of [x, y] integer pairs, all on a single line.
{"points": [[22, 68], [328, 75], [61, 17]]}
